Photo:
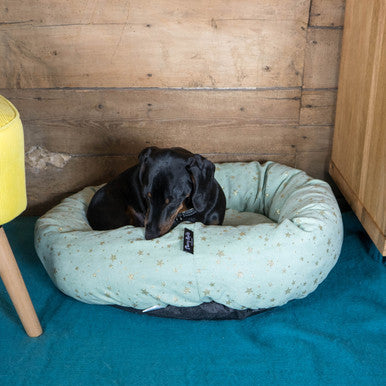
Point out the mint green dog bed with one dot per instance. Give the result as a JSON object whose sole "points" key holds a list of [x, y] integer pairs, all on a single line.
{"points": [[281, 236]]}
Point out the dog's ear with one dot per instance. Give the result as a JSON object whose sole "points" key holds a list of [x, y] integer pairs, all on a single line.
{"points": [[142, 158], [202, 173], [144, 154]]}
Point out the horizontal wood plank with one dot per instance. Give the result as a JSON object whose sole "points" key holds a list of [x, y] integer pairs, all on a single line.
{"points": [[318, 107], [125, 121], [314, 138], [327, 13], [119, 137], [48, 186], [321, 66], [53, 12], [212, 47], [315, 163], [263, 106]]}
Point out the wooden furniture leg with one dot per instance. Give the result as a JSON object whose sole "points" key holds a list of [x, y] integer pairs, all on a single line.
{"points": [[14, 283]]}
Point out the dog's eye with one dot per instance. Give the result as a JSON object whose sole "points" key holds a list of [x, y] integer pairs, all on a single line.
{"points": [[167, 201], [149, 195]]}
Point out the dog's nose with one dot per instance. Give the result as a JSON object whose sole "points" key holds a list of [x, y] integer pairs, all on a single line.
{"points": [[151, 233], [149, 236]]}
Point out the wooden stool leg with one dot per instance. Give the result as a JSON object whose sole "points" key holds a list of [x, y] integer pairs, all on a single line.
{"points": [[14, 283]]}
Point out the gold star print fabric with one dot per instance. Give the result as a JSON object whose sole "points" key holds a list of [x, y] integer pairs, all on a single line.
{"points": [[281, 236]]}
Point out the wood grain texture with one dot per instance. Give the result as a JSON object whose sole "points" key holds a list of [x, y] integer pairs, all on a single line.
{"points": [[314, 138], [52, 12], [358, 155], [321, 67], [47, 187], [263, 106], [327, 13], [124, 121], [154, 47], [238, 80], [376, 233], [318, 107], [118, 137], [373, 175], [14, 284], [354, 90], [315, 163]]}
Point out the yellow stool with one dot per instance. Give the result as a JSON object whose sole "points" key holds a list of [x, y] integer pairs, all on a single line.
{"points": [[13, 201]]}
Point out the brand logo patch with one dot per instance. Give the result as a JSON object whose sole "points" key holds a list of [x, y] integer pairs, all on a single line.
{"points": [[188, 240]]}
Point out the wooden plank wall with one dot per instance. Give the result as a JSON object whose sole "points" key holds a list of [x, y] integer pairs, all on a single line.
{"points": [[96, 81]]}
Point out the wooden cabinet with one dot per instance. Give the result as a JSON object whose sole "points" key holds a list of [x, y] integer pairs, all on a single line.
{"points": [[358, 154]]}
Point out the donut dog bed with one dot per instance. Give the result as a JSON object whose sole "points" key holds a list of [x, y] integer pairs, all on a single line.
{"points": [[281, 236]]}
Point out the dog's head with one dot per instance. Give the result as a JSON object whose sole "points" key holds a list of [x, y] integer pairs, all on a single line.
{"points": [[172, 180]]}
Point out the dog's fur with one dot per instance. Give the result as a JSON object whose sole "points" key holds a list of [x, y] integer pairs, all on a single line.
{"points": [[166, 187]]}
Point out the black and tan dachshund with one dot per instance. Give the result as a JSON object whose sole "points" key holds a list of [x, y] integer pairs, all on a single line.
{"points": [[166, 187]]}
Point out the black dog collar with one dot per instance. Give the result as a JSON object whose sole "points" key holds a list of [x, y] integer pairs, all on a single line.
{"points": [[183, 215]]}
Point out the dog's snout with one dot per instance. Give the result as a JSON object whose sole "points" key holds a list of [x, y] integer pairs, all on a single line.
{"points": [[151, 232]]}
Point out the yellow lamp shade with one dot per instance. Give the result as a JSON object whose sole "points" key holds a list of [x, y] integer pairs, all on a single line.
{"points": [[13, 198]]}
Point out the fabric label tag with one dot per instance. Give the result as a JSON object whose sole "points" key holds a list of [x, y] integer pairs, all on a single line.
{"points": [[156, 307], [188, 240]]}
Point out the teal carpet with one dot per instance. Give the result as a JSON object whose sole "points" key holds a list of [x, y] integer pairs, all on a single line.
{"points": [[335, 336]]}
